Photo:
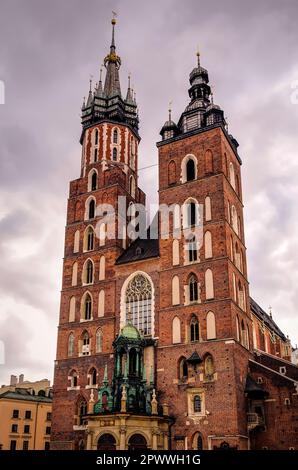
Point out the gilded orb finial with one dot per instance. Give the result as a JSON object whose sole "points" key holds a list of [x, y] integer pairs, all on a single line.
{"points": [[113, 21]]}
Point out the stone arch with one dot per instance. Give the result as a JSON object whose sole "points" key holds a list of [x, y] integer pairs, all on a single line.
{"points": [[107, 441]]}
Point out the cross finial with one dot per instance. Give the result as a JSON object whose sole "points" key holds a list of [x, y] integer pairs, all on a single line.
{"points": [[170, 110], [198, 56], [90, 81]]}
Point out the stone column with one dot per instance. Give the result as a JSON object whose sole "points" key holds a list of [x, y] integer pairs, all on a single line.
{"points": [[165, 441], [89, 439], [122, 437], [155, 433]]}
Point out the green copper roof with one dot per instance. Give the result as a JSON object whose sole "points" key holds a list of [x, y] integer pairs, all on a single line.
{"points": [[130, 331]]}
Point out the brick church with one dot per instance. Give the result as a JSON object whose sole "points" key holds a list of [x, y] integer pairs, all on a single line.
{"points": [[160, 345]]}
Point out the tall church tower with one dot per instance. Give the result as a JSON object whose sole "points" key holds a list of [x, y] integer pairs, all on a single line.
{"points": [[109, 168], [205, 264]]}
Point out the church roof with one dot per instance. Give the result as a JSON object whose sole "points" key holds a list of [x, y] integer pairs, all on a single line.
{"points": [[139, 250], [264, 317]]}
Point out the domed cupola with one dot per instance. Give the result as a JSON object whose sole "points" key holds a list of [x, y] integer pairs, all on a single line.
{"points": [[169, 129]]}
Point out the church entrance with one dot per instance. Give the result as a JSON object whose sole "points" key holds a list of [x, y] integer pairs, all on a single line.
{"points": [[137, 442], [106, 442]]}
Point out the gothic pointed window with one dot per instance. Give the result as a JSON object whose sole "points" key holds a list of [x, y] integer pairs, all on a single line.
{"points": [[89, 239], [115, 136], [115, 154], [94, 181], [95, 155], [138, 303], [82, 410], [88, 272], [193, 288], [73, 377], [87, 307], [192, 249], [98, 346], [91, 209], [96, 137], [194, 330], [92, 376], [182, 370], [190, 170], [70, 351]]}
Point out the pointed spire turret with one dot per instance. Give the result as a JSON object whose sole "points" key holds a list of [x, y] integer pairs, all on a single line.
{"points": [[107, 102], [112, 63]]}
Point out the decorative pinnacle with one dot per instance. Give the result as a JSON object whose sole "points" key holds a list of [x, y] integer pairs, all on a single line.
{"points": [[270, 311], [100, 73], [113, 21], [129, 76], [211, 93], [90, 81]]}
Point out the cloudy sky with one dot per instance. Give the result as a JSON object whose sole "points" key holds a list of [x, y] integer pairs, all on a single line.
{"points": [[48, 51]]}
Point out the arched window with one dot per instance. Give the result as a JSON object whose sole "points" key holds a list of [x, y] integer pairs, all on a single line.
{"points": [[82, 410], [209, 284], [237, 328], [91, 209], [208, 208], [94, 181], [211, 327], [85, 344], [191, 214], [175, 291], [190, 170], [87, 307], [98, 345], [115, 136], [172, 172], [89, 239], [138, 303], [235, 220], [238, 257], [76, 243], [101, 303], [137, 442], [208, 367], [192, 249], [88, 272], [95, 155], [244, 335], [209, 161], [74, 276], [92, 376], [73, 378], [194, 330], [197, 404], [96, 137], [115, 154], [176, 330], [182, 369], [232, 176], [70, 348], [208, 245], [197, 443], [175, 254], [72, 309], [132, 186], [102, 234], [241, 296], [193, 289], [102, 267]]}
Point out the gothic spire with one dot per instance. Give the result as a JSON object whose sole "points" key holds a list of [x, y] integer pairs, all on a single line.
{"points": [[112, 63]]}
